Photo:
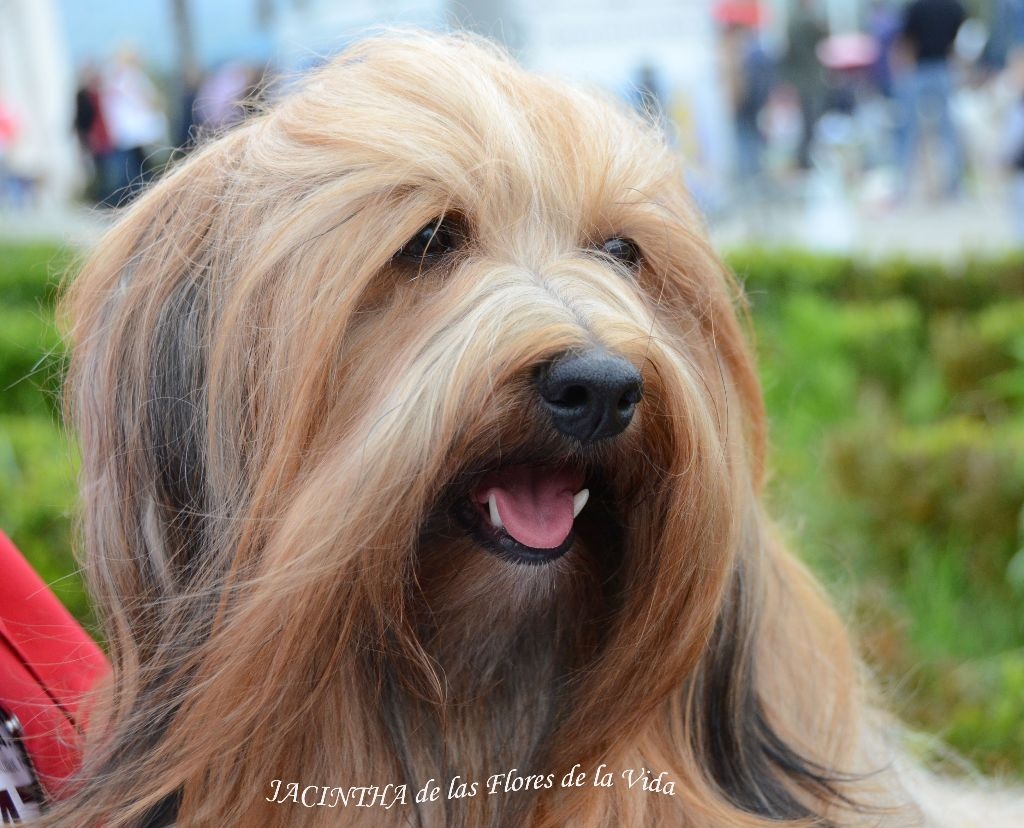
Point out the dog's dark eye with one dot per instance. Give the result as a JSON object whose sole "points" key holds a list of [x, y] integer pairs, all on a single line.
{"points": [[625, 250], [440, 237]]}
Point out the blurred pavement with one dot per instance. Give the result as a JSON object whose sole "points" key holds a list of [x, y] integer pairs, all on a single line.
{"points": [[72, 224], [946, 231]]}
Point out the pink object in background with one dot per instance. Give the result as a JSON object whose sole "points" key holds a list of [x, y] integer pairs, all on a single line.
{"points": [[848, 51]]}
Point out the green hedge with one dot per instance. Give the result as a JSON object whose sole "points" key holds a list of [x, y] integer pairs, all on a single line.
{"points": [[954, 479], [31, 360], [37, 482], [31, 274], [969, 285], [37, 500]]}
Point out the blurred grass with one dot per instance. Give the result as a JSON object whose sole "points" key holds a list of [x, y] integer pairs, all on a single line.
{"points": [[895, 394]]}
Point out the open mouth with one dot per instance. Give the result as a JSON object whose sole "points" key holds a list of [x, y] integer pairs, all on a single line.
{"points": [[525, 513]]}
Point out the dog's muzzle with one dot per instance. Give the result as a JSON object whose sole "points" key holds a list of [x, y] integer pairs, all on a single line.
{"points": [[525, 511], [591, 395]]}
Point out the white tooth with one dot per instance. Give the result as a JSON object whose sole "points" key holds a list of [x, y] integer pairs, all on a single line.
{"points": [[579, 500], [492, 504]]}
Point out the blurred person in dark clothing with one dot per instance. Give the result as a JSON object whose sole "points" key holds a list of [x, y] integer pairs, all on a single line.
{"points": [[926, 86], [930, 28], [93, 137], [135, 120], [804, 71]]}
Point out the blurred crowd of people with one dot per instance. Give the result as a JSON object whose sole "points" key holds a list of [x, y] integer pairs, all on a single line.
{"points": [[124, 123], [923, 101]]}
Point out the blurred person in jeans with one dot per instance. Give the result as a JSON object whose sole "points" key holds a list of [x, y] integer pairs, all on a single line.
{"points": [[135, 120], [884, 25], [925, 86], [1006, 35], [750, 78], [8, 133], [1012, 150]]}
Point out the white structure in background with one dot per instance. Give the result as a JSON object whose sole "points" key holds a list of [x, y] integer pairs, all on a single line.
{"points": [[604, 43], [305, 34], [37, 90], [609, 43]]}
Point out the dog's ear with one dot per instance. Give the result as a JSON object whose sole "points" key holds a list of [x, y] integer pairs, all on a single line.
{"points": [[136, 317], [772, 741]]}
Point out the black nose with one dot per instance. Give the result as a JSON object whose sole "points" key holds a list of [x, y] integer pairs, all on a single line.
{"points": [[591, 395]]}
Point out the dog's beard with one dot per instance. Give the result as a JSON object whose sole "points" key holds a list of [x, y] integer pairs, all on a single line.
{"points": [[509, 636], [488, 661]]}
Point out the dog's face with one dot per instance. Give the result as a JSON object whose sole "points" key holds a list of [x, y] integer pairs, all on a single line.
{"points": [[428, 381], [535, 396]]}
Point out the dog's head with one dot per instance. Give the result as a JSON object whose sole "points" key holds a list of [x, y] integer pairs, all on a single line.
{"points": [[417, 419]]}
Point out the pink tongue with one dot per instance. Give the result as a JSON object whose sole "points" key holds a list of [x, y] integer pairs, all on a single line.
{"points": [[535, 504]]}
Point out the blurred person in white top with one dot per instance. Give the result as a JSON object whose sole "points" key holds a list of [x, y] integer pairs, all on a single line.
{"points": [[135, 120]]}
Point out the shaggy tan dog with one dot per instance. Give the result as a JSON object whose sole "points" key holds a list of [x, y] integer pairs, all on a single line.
{"points": [[422, 453]]}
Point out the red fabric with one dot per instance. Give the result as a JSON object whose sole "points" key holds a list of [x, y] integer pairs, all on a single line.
{"points": [[47, 663], [98, 137], [8, 126]]}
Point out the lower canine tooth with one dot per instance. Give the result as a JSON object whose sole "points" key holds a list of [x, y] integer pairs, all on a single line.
{"points": [[579, 500], [492, 505]]}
